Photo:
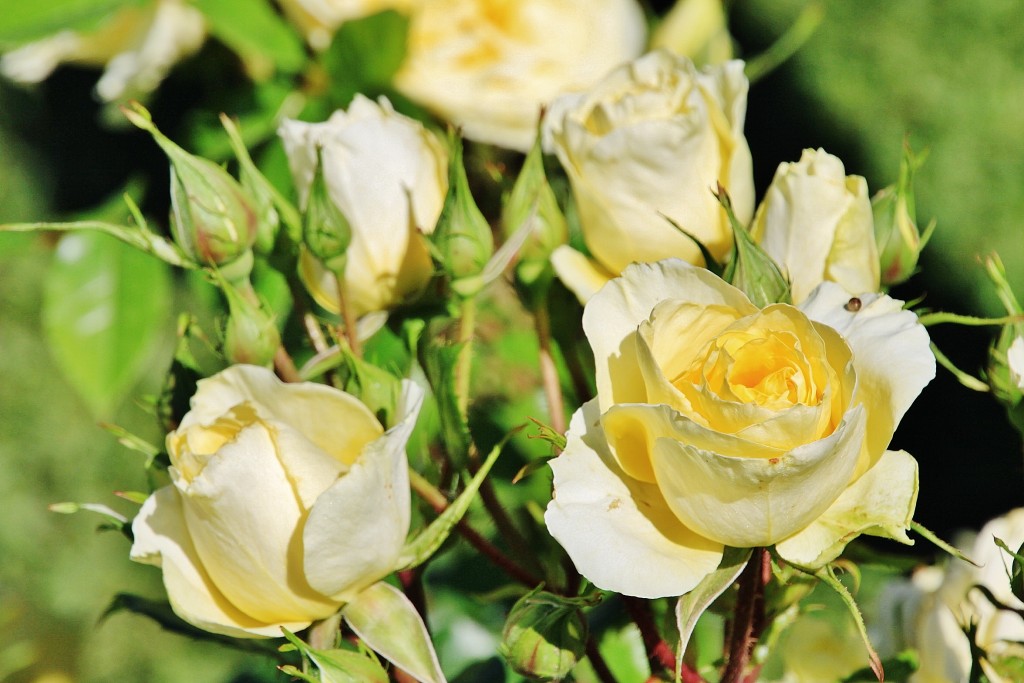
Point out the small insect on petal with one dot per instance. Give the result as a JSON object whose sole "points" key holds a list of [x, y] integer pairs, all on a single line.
{"points": [[853, 305]]}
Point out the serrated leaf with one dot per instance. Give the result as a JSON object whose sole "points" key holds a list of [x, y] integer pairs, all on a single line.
{"points": [[389, 624], [257, 33], [105, 308], [24, 21], [693, 604], [429, 540]]}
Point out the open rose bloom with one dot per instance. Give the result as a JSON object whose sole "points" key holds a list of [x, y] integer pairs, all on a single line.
{"points": [[720, 424], [287, 501]]}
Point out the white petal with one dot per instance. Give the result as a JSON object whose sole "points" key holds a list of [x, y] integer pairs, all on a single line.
{"points": [[161, 539], [891, 354], [612, 316], [356, 529], [618, 531], [581, 275], [747, 502], [880, 503], [1015, 359]]}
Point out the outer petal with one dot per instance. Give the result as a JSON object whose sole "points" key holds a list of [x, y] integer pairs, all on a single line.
{"points": [[618, 531], [748, 502], [612, 316], [253, 552], [313, 410], [162, 539], [371, 503], [890, 353], [880, 503]]}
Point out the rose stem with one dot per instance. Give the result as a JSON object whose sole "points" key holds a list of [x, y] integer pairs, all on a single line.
{"points": [[285, 366], [659, 654], [412, 586], [348, 319], [548, 371], [580, 384], [748, 619], [425, 490], [463, 365], [601, 670]]}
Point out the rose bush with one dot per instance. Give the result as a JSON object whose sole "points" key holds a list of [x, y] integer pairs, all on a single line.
{"points": [[488, 66], [643, 149], [138, 45], [816, 223], [286, 501], [720, 424], [388, 175]]}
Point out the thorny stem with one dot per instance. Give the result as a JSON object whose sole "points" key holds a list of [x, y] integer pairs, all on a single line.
{"points": [[748, 620], [548, 371], [347, 316], [601, 670], [658, 652], [285, 366], [425, 490]]}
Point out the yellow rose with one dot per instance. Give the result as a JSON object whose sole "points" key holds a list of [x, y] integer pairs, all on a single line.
{"points": [[695, 29], [931, 608], [643, 149], [138, 44], [816, 222], [287, 500], [720, 424], [388, 175], [488, 66], [318, 19]]}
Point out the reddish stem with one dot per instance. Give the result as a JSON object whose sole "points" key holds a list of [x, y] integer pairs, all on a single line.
{"points": [[749, 616]]}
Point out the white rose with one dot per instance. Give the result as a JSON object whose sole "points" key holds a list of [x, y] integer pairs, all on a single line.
{"points": [[287, 500], [816, 222], [933, 606], [643, 149], [720, 424], [488, 66], [318, 19], [137, 44], [1015, 361], [695, 29], [388, 176]]}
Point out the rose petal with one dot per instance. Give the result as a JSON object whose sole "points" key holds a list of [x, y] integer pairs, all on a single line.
{"points": [[612, 525], [314, 410], [748, 502], [161, 539], [891, 354], [243, 516], [580, 274], [880, 503], [612, 316], [371, 503]]}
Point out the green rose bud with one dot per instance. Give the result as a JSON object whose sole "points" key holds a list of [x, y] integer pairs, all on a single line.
{"points": [[896, 233], [250, 337], [325, 230], [532, 199], [213, 219], [463, 238], [544, 636], [1005, 372]]}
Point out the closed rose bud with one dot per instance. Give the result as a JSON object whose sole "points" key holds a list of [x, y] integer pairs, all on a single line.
{"points": [[896, 232], [544, 636], [250, 335], [325, 230]]}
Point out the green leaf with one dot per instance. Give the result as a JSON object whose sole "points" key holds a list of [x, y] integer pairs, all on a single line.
{"points": [[365, 54], [25, 21], [692, 605], [420, 549], [257, 33], [337, 665], [389, 624], [105, 309]]}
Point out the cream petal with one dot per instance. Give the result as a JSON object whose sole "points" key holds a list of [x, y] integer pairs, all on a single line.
{"points": [[749, 502], [891, 354], [880, 503], [581, 275], [618, 531], [611, 318], [314, 410], [161, 539], [371, 503], [244, 519]]}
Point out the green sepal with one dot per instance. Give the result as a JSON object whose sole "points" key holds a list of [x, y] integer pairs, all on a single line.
{"points": [[326, 231], [389, 624], [1016, 568], [750, 268], [336, 665], [425, 544], [115, 520]]}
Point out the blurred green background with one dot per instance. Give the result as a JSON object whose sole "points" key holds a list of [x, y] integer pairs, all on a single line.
{"points": [[948, 73]]}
